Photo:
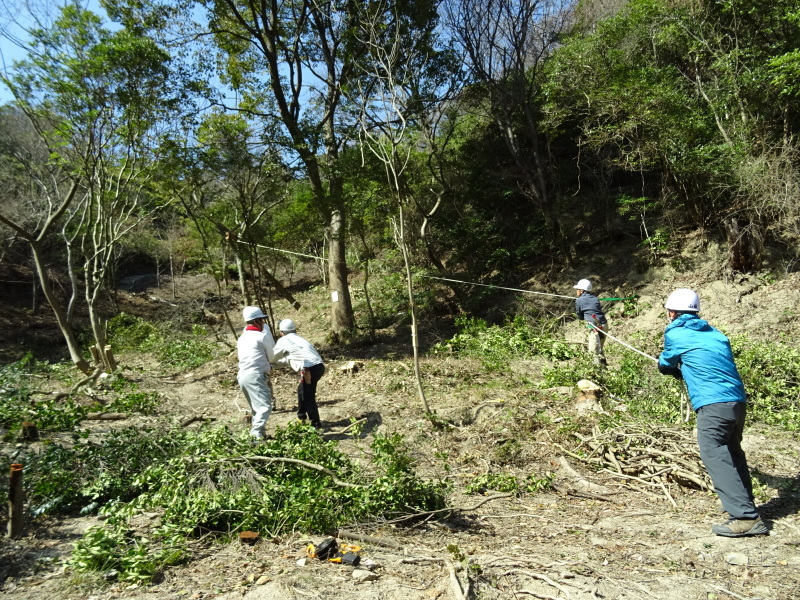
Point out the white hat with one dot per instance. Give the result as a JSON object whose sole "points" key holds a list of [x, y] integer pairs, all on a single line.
{"points": [[287, 326], [683, 299], [251, 313], [583, 284]]}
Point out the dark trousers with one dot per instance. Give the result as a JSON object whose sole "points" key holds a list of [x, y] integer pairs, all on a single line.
{"points": [[307, 395], [719, 435]]}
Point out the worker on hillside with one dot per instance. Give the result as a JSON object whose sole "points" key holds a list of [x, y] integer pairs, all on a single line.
{"points": [[702, 356], [299, 354], [588, 309], [255, 348]]}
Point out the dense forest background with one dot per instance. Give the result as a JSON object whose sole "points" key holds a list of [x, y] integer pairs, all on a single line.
{"points": [[484, 141]]}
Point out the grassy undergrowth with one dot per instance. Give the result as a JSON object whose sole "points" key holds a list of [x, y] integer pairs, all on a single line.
{"points": [[175, 349], [771, 372], [496, 345], [26, 394]]}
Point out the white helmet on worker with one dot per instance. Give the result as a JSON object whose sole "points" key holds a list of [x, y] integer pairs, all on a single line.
{"points": [[251, 313], [287, 326], [583, 284], [683, 300]]}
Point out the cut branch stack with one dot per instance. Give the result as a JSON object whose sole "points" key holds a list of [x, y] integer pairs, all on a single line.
{"points": [[645, 458]]}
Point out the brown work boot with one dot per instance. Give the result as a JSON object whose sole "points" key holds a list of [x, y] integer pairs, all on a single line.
{"points": [[741, 527]]}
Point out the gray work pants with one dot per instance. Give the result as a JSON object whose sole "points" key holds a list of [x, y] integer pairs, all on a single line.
{"points": [[719, 434], [258, 392], [596, 342]]}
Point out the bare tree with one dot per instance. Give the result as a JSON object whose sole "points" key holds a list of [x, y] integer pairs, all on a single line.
{"points": [[114, 203], [35, 238], [94, 98], [505, 43], [396, 65]]}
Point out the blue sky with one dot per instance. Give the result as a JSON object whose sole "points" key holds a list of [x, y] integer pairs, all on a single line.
{"points": [[15, 18]]}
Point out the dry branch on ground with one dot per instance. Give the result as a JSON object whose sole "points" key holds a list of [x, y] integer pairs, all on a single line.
{"points": [[646, 458]]}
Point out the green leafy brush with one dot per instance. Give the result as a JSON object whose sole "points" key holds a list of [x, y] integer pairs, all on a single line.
{"points": [[210, 482]]}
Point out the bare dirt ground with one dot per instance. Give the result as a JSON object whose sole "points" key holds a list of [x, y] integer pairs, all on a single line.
{"points": [[628, 544]]}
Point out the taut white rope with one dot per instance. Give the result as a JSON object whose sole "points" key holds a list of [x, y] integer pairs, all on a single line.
{"points": [[619, 341], [498, 287]]}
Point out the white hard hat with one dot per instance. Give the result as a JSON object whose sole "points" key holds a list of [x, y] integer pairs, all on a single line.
{"points": [[252, 312], [287, 326], [583, 284], [683, 299]]}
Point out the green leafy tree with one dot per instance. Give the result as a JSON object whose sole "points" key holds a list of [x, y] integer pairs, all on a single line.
{"points": [[290, 65], [287, 63], [95, 96], [250, 186], [692, 98]]}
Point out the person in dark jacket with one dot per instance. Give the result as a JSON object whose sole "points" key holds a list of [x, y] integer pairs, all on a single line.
{"points": [[700, 355], [588, 309]]}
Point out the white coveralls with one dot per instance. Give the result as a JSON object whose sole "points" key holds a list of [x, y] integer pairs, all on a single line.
{"points": [[256, 352]]}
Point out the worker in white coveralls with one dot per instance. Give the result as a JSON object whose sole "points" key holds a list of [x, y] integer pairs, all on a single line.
{"points": [[299, 354], [256, 348]]}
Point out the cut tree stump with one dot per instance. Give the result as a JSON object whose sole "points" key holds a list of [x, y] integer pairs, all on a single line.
{"points": [[248, 538]]}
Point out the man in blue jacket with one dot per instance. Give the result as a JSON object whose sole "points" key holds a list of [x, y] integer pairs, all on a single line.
{"points": [[702, 356]]}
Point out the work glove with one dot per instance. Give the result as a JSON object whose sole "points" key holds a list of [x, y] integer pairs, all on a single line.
{"points": [[674, 371]]}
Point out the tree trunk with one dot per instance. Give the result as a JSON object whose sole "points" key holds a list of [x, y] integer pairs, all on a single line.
{"points": [[248, 301], [413, 308], [365, 284], [172, 275], [341, 305], [93, 288], [61, 317], [745, 246], [73, 280]]}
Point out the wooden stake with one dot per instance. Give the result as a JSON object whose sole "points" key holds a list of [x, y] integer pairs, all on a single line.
{"points": [[15, 501], [96, 355], [111, 362]]}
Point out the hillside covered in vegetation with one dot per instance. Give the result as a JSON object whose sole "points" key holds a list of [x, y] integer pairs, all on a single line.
{"points": [[418, 185]]}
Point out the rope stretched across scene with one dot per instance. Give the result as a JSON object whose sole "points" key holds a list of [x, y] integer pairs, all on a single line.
{"points": [[489, 286]]}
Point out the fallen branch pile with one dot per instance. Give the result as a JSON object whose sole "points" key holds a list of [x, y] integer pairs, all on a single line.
{"points": [[645, 458]]}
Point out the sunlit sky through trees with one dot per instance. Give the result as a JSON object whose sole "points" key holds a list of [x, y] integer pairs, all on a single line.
{"points": [[16, 18]]}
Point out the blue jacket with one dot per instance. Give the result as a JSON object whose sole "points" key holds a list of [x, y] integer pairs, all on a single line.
{"points": [[705, 360]]}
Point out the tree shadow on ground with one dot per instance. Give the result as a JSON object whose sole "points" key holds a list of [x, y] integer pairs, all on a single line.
{"points": [[36, 550], [368, 422], [788, 500]]}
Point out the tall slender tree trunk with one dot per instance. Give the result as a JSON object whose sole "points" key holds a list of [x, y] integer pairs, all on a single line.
{"points": [[172, 275], [413, 308], [61, 317], [242, 279], [341, 304]]}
